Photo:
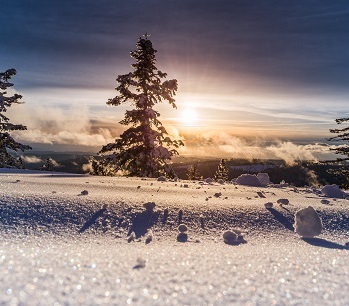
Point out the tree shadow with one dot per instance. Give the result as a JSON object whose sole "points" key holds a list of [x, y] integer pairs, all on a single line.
{"points": [[142, 222], [325, 243], [282, 219], [92, 220]]}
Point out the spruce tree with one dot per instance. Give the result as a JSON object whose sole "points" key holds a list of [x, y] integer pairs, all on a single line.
{"points": [[193, 172], [343, 135], [145, 148], [101, 167], [222, 171], [341, 169], [48, 166], [7, 143]]}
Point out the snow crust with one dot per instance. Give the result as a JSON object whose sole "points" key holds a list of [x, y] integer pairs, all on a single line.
{"points": [[58, 246]]}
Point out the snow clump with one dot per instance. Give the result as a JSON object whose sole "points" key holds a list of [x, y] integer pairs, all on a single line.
{"points": [[149, 236], [149, 206], [182, 235], [182, 228], [307, 222], [209, 180], [263, 179], [333, 191], [248, 180], [221, 181], [131, 238], [268, 205], [162, 179], [233, 236], [218, 194], [283, 201]]}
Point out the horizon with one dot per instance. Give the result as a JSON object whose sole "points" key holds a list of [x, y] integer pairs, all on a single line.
{"points": [[259, 80]]}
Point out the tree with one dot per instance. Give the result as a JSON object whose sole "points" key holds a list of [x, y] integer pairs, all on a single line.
{"points": [[222, 171], [101, 167], [341, 169], [48, 166], [193, 172], [7, 143], [343, 135], [145, 149]]}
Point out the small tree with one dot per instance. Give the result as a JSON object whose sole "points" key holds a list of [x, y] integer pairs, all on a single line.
{"points": [[6, 141], [48, 166], [144, 149], [193, 172], [222, 171]]}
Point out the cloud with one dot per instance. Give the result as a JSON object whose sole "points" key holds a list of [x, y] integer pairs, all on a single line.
{"points": [[31, 159], [63, 125], [228, 146]]}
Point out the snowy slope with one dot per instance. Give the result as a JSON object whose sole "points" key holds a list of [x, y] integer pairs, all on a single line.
{"points": [[63, 241]]}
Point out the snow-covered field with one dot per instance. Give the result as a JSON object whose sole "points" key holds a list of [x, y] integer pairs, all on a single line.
{"points": [[66, 239]]}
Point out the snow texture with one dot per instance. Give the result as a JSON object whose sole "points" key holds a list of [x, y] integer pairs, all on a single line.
{"points": [[60, 248]]}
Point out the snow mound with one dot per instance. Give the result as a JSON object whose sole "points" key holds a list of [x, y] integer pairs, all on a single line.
{"points": [[263, 179], [209, 180], [221, 181], [233, 236], [307, 222], [248, 180], [283, 201], [162, 179], [268, 205], [333, 191]]}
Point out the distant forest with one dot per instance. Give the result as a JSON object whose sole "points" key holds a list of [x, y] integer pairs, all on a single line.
{"points": [[300, 174]]}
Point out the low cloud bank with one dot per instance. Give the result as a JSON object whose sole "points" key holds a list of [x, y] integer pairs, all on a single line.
{"points": [[227, 146], [58, 125], [74, 126]]}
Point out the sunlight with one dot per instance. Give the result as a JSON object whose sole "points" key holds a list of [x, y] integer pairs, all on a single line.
{"points": [[189, 117]]}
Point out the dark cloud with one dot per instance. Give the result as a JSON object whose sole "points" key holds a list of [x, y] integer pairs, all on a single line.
{"points": [[86, 43]]}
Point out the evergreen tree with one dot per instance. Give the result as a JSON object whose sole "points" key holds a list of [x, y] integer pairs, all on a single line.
{"points": [[343, 135], [7, 143], [193, 172], [48, 166], [144, 149], [222, 171], [101, 167]]}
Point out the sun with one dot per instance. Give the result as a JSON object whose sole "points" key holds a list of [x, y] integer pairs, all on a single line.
{"points": [[189, 117]]}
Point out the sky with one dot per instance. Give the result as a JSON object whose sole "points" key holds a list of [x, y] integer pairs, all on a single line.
{"points": [[255, 77]]}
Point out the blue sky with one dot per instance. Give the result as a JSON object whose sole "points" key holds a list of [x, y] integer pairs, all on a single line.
{"points": [[271, 70]]}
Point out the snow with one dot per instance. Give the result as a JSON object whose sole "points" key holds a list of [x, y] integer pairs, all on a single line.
{"points": [[308, 223], [253, 168], [248, 180], [58, 247], [263, 179], [333, 191]]}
